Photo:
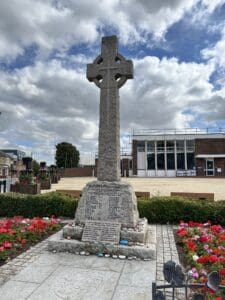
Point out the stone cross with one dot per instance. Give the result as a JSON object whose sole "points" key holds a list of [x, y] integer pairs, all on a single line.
{"points": [[109, 72]]}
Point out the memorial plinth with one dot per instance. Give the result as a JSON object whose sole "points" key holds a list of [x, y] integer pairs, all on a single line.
{"points": [[108, 201], [107, 211]]}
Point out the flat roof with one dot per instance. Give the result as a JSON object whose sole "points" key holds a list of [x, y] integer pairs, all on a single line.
{"points": [[177, 134]]}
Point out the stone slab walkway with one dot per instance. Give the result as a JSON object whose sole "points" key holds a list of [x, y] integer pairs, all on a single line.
{"points": [[39, 274]]}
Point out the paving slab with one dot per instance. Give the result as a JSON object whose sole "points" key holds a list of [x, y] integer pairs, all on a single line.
{"points": [[46, 275]]}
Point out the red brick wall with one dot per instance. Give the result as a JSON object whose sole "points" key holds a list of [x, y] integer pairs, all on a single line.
{"points": [[209, 146], [79, 172], [134, 154], [200, 166], [219, 163]]}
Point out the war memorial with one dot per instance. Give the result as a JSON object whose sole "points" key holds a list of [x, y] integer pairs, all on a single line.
{"points": [[107, 219]]}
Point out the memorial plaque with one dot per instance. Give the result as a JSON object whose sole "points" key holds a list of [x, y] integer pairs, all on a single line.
{"points": [[99, 231]]}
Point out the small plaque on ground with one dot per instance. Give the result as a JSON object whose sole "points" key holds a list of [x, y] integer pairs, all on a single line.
{"points": [[101, 231]]}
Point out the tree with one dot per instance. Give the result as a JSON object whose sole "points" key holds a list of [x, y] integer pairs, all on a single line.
{"points": [[67, 155], [35, 167]]}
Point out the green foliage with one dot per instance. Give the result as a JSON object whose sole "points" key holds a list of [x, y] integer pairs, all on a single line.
{"points": [[44, 205], [165, 210], [35, 167], [26, 177], [67, 155], [43, 175], [158, 210]]}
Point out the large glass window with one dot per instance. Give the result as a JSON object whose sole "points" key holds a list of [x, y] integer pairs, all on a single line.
{"points": [[180, 161], [190, 146], [160, 161], [160, 146], [170, 146], [151, 161], [180, 146], [151, 146], [141, 147], [170, 161], [190, 161]]}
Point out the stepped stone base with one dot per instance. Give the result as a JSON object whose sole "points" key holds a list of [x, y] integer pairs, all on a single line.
{"points": [[137, 234], [108, 201], [106, 214], [146, 250]]}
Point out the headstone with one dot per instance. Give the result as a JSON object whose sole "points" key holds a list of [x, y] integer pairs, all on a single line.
{"points": [[27, 161]]}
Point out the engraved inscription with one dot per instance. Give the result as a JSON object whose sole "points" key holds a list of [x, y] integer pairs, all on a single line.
{"points": [[99, 231]]}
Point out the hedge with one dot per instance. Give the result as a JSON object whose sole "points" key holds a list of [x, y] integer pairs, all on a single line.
{"points": [[43, 205], [161, 210]]}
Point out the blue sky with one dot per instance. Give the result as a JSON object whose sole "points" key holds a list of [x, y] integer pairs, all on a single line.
{"points": [[177, 47]]}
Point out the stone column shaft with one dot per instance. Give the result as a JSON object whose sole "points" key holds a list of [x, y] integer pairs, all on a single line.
{"points": [[109, 139]]}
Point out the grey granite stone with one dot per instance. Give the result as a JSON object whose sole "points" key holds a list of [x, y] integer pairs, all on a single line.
{"points": [[109, 72], [108, 201], [147, 250], [74, 232], [137, 234], [77, 283], [12, 290]]}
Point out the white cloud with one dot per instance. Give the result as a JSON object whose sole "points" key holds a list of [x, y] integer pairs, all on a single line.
{"points": [[163, 92], [51, 101], [216, 52], [48, 26]]}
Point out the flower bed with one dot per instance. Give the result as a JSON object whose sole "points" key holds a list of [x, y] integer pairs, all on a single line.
{"points": [[204, 248], [18, 234]]}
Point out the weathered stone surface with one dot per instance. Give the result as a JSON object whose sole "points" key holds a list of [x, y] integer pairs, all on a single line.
{"points": [[73, 232], [109, 72], [148, 250], [108, 201], [137, 234], [103, 232]]}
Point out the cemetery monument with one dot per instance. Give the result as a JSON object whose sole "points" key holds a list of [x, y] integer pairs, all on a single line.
{"points": [[107, 219]]}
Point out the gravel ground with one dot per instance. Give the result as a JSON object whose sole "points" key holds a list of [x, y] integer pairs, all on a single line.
{"points": [[156, 186]]}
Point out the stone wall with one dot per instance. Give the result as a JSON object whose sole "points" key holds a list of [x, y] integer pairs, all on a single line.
{"points": [[79, 172]]}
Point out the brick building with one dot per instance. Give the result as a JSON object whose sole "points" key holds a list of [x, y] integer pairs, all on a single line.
{"points": [[169, 153]]}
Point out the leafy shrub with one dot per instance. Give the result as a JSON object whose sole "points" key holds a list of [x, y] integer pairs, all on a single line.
{"points": [[165, 210], [158, 210], [43, 205]]}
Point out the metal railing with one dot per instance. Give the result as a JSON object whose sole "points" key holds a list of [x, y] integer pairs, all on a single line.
{"points": [[176, 279], [210, 130]]}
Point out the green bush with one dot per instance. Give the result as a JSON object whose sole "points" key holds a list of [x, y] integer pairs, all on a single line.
{"points": [[171, 210], [43, 205], [158, 210]]}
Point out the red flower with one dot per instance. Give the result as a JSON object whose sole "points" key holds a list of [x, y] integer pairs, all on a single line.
{"points": [[3, 230], [7, 244], [204, 238], [191, 246], [213, 258], [222, 272], [2, 249], [182, 232]]}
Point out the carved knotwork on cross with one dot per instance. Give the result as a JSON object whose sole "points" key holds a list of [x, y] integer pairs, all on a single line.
{"points": [[109, 72], [110, 69]]}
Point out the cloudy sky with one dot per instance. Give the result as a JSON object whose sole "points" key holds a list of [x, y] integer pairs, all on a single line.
{"points": [[178, 50]]}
